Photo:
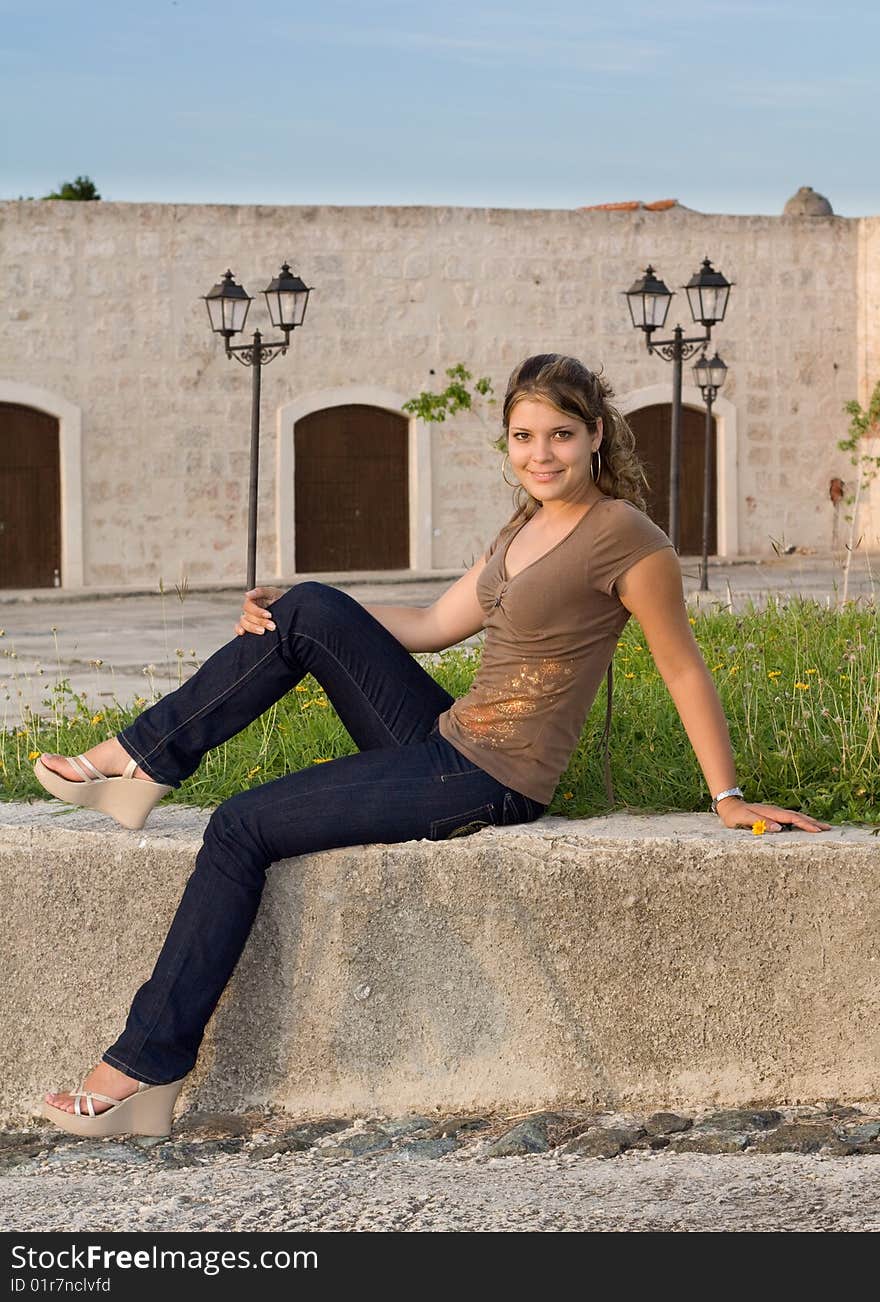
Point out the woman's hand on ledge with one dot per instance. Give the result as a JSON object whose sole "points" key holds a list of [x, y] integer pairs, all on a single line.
{"points": [[255, 618], [734, 812]]}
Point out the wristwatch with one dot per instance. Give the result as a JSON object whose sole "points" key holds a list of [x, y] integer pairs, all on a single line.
{"points": [[731, 791]]}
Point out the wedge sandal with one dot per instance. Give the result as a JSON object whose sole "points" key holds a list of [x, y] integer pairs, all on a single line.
{"points": [[147, 1112], [128, 799]]}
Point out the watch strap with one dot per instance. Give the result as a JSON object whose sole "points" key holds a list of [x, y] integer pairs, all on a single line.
{"points": [[731, 791]]}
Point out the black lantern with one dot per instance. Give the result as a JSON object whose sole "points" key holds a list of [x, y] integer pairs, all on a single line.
{"points": [[227, 305], [707, 293], [287, 298], [710, 373], [648, 300]]}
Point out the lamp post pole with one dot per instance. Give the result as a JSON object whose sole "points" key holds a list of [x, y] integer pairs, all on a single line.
{"points": [[709, 395], [257, 374], [710, 374], [287, 298], [678, 354], [649, 298]]}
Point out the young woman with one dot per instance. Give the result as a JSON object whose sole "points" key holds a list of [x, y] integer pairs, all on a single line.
{"points": [[552, 592]]}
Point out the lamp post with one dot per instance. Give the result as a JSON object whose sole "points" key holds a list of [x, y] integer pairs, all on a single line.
{"points": [[649, 300], [227, 303], [710, 374]]}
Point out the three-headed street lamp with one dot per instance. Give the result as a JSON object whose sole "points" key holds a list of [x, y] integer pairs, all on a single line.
{"points": [[709, 373], [648, 298], [227, 303]]}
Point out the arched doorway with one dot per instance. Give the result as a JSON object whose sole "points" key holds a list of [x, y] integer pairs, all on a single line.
{"points": [[351, 490], [30, 498], [652, 427]]}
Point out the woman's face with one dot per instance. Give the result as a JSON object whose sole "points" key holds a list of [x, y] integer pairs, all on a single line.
{"points": [[550, 452]]}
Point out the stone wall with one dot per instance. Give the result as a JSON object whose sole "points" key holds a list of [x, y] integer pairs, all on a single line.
{"points": [[617, 962], [102, 311]]}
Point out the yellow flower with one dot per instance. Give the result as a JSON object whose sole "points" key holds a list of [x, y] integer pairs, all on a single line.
{"points": [[774, 673], [33, 754], [621, 644], [140, 700], [629, 675], [322, 760], [691, 619], [568, 795], [715, 667], [252, 772], [812, 671], [759, 827], [300, 687], [803, 687], [96, 718], [734, 669]]}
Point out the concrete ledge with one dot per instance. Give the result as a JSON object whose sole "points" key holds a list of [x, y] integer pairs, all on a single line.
{"points": [[615, 961]]}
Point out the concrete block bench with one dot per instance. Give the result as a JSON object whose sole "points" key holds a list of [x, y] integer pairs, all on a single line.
{"points": [[624, 962]]}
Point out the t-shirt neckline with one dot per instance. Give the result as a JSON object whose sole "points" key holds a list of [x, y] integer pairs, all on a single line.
{"points": [[507, 578]]}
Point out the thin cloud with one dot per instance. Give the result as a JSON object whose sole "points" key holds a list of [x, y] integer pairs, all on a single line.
{"points": [[582, 52]]}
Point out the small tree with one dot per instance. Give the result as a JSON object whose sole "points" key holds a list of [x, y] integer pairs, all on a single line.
{"points": [[82, 188], [454, 398], [864, 430]]}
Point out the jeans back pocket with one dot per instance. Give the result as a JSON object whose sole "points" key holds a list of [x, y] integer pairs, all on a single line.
{"points": [[463, 824]]}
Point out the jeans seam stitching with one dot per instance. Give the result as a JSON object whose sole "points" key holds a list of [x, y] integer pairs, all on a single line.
{"points": [[190, 718], [223, 695], [111, 1058], [165, 992]]}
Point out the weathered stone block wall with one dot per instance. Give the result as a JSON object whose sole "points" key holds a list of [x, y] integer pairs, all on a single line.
{"points": [[101, 307]]}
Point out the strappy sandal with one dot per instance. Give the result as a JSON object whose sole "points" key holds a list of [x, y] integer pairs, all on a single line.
{"points": [[146, 1112], [127, 799]]}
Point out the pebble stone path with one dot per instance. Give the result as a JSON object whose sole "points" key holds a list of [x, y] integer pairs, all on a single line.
{"points": [[777, 1169]]}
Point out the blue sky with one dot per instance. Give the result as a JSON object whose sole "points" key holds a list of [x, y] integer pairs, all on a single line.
{"points": [[727, 106]]}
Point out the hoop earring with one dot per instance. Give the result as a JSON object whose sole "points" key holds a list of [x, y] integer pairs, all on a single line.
{"points": [[595, 478], [516, 484]]}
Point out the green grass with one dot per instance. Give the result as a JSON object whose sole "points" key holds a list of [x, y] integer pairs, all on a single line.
{"points": [[799, 683]]}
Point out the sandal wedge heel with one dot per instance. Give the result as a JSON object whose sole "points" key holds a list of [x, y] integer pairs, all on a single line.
{"points": [[147, 1112], [128, 799]]}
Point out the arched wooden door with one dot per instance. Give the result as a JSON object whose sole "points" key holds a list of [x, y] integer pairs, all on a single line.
{"points": [[30, 498], [351, 490], [652, 427]]}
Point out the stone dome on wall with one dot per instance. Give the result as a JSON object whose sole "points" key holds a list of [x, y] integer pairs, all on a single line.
{"points": [[807, 203]]}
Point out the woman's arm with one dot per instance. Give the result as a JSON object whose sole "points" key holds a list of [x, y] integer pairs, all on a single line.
{"points": [[651, 590], [455, 615]]}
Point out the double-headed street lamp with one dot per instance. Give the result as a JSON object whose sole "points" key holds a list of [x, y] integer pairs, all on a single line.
{"points": [[227, 304], [648, 298], [709, 373]]}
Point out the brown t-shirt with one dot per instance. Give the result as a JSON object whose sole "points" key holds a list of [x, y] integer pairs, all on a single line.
{"points": [[551, 631]]}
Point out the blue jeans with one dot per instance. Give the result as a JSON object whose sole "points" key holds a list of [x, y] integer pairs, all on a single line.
{"points": [[406, 782]]}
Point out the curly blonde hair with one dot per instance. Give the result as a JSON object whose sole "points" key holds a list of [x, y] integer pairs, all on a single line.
{"points": [[572, 389]]}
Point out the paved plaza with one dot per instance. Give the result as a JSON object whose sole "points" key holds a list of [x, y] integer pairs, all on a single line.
{"points": [[130, 632]]}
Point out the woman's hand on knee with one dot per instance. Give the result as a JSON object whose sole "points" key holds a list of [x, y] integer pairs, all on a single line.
{"points": [[255, 618]]}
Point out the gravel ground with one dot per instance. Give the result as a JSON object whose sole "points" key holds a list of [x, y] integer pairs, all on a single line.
{"points": [[547, 1192]]}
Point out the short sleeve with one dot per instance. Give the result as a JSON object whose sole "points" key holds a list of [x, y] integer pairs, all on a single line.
{"points": [[625, 536]]}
